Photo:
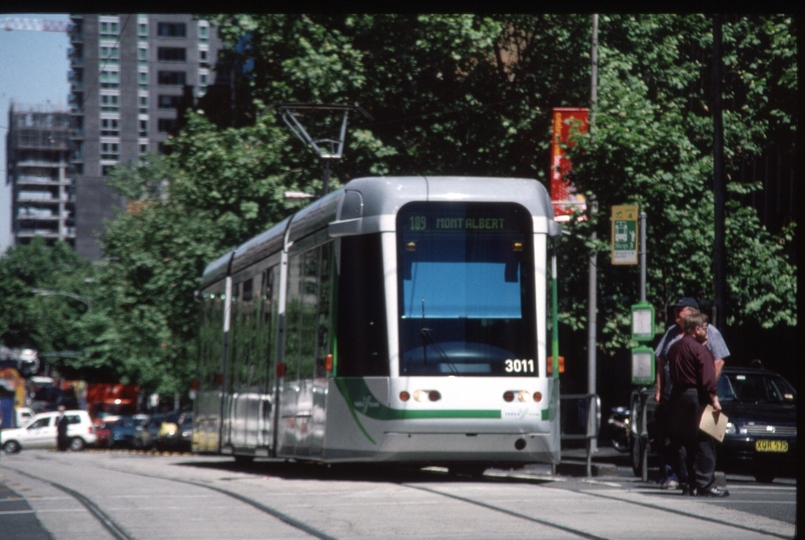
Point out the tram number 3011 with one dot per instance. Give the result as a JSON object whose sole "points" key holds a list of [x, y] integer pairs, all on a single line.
{"points": [[519, 366]]}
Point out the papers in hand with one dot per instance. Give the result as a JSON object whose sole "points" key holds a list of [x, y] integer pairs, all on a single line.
{"points": [[713, 423]]}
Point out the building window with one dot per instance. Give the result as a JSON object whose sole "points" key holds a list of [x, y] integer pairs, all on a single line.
{"points": [[142, 80], [110, 151], [168, 29], [143, 128], [109, 30], [106, 169], [166, 125], [142, 31], [110, 79], [143, 149], [110, 103], [110, 55], [172, 77], [171, 54], [143, 104], [142, 56], [110, 127], [169, 102], [203, 57]]}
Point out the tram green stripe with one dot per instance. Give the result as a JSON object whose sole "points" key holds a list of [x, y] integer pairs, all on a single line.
{"points": [[359, 399]]}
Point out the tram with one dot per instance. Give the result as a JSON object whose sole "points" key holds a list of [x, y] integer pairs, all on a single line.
{"points": [[397, 319]]}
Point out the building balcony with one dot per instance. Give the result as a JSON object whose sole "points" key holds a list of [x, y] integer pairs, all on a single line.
{"points": [[76, 134], [29, 233]]}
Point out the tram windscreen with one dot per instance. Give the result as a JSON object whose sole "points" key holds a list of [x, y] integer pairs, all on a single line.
{"points": [[466, 289]]}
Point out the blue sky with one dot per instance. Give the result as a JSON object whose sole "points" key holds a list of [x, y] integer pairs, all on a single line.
{"points": [[33, 71]]}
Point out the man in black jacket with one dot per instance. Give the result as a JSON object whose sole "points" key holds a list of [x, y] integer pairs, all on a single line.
{"points": [[62, 422], [693, 375]]}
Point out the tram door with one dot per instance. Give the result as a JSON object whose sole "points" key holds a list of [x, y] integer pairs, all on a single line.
{"points": [[248, 369], [307, 343]]}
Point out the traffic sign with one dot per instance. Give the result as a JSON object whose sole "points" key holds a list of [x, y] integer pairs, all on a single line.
{"points": [[624, 234]]}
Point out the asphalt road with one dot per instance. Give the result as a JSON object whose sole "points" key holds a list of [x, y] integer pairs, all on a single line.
{"points": [[121, 495]]}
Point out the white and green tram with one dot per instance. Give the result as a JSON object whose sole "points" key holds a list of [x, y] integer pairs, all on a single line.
{"points": [[397, 319]]}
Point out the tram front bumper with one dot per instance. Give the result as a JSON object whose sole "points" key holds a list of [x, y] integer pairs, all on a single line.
{"points": [[497, 447]]}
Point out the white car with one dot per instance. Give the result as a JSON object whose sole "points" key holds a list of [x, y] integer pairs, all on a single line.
{"points": [[41, 432], [23, 415]]}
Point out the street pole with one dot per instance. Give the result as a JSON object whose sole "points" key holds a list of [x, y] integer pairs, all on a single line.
{"points": [[719, 186], [592, 322], [642, 256]]}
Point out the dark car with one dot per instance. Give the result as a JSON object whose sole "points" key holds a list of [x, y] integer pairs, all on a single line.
{"points": [[124, 430], [186, 432], [761, 436], [147, 435]]}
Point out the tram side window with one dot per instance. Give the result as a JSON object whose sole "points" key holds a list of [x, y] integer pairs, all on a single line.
{"points": [[308, 312], [362, 337], [210, 339]]}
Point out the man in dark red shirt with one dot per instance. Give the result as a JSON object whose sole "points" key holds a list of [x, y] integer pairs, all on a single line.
{"points": [[693, 375]]}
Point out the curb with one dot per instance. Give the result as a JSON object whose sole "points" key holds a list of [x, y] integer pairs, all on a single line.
{"points": [[579, 468]]}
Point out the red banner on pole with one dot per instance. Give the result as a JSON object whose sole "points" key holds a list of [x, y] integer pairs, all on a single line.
{"points": [[564, 198]]}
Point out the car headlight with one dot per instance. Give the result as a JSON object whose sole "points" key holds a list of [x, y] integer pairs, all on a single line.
{"points": [[731, 429]]}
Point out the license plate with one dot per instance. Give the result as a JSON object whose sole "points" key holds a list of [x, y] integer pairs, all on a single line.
{"points": [[771, 446]]}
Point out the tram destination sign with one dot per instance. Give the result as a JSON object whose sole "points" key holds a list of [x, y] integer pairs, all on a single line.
{"points": [[624, 234]]}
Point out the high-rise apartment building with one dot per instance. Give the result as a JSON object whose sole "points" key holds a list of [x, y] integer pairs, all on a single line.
{"points": [[37, 149], [130, 73]]}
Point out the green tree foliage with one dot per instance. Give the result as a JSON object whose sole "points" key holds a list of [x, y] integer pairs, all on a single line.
{"points": [[466, 95], [46, 322], [652, 146]]}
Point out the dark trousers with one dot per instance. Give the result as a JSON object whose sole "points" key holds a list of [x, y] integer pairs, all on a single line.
{"points": [[695, 451], [662, 438]]}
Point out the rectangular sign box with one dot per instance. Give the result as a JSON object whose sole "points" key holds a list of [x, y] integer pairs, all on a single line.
{"points": [[624, 234]]}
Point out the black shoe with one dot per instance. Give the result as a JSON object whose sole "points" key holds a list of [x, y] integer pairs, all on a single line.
{"points": [[713, 492], [688, 491]]}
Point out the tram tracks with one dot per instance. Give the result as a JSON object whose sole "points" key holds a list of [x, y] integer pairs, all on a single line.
{"points": [[119, 532]]}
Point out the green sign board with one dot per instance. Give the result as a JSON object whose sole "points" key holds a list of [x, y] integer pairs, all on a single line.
{"points": [[624, 234], [642, 321], [643, 366]]}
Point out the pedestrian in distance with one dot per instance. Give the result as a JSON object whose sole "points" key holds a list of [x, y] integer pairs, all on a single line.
{"points": [[715, 343], [62, 422], [693, 375]]}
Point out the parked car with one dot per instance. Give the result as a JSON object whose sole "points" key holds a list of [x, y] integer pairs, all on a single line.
{"points": [[41, 432], [186, 432], [761, 436], [169, 431], [23, 415], [103, 434], [147, 435], [124, 430]]}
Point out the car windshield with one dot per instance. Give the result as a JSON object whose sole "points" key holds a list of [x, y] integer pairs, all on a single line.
{"points": [[751, 387]]}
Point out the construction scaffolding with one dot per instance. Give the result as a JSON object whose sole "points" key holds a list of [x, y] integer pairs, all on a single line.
{"points": [[38, 156]]}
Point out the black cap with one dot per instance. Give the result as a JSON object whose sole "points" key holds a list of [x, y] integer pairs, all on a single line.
{"points": [[687, 302]]}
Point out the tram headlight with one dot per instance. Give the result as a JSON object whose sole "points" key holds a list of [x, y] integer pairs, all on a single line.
{"points": [[434, 395], [537, 396], [420, 395], [523, 396], [404, 396], [508, 396]]}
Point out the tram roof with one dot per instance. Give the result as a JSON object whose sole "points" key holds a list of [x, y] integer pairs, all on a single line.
{"points": [[370, 204]]}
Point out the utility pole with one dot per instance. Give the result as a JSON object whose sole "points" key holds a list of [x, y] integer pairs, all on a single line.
{"points": [[719, 185], [592, 308]]}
